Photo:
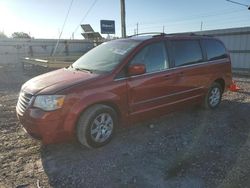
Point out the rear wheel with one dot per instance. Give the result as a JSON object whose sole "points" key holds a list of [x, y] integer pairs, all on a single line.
{"points": [[96, 126], [213, 96]]}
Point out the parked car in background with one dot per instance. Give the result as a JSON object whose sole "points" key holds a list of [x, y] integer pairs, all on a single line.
{"points": [[121, 82]]}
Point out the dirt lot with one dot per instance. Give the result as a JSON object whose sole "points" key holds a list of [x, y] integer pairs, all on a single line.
{"points": [[191, 148]]}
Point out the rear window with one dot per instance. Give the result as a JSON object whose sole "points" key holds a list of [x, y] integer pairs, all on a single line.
{"points": [[186, 52], [215, 50]]}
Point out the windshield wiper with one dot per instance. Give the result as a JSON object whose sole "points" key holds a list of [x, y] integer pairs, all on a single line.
{"points": [[83, 69]]}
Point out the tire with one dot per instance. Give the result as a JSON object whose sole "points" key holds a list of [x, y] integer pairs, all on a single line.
{"points": [[213, 96], [96, 126]]}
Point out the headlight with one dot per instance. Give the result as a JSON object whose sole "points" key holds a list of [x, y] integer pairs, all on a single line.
{"points": [[49, 102]]}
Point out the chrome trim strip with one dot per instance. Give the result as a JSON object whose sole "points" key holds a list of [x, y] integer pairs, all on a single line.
{"points": [[25, 99], [174, 68], [167, 104], [23, 103], [170, 95]]}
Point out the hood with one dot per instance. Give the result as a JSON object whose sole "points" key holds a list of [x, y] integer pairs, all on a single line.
{"points": [[51, 82]]}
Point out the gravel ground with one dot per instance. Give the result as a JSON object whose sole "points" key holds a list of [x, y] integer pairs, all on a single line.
{"points": [[190, 148]]}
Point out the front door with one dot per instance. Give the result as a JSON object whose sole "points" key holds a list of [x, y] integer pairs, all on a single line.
{"points": [[153, 92]]}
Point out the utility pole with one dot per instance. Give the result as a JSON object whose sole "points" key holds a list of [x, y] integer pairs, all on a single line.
{"points": [[123, 18], [201, 26], [137, 28], [163, 29]]}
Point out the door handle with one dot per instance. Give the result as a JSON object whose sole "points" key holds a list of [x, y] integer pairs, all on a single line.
{"points": [[168, 76], [181, 73]]}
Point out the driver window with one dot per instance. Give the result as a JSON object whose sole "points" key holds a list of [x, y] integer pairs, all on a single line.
{"points": [[153, 56]]}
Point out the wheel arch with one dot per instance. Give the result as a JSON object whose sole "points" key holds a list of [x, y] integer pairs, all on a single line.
{"points": [[221, 81], [83, 128], [80, 106], [107, 103]]}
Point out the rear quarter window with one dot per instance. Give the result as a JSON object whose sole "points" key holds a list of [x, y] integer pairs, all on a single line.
{"points": [[215, 50]]}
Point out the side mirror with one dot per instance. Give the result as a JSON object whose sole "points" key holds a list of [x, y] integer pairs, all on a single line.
{"points": [[136, 69]]}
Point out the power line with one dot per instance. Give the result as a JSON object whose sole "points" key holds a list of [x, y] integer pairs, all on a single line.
{"points": [[84, 17], [236, 20], [239, 3], [210, 22], [209, 25], [194, 17], [65, 20]]}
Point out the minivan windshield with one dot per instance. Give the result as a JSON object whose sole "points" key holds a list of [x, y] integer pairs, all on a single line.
{"points": [[105, 57]]}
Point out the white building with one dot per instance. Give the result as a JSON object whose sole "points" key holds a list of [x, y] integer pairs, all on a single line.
{"points": [[237, 41]]}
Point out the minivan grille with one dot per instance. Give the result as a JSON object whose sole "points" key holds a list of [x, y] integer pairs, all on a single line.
{"points": [[24, 101]]}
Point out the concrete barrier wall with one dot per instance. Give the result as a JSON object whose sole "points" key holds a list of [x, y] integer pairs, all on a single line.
{"points": [[11, 50]]}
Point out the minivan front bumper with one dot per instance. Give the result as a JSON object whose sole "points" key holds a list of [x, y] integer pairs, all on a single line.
{"points": [[45, 126]]}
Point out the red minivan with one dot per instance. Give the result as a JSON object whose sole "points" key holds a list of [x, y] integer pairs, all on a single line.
{"points": [[121, 82]]}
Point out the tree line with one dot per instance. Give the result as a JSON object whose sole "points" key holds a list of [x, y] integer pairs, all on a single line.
{"points": [[21, 35]]}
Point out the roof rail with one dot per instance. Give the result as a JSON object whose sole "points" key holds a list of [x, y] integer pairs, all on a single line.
{"points": [[158, 34], [190, 34], [150, 33]]}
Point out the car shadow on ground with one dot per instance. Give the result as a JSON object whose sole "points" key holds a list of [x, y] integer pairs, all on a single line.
{"points": [[191, 148]]}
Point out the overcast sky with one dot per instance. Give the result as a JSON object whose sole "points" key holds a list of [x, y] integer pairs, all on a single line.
{"points": [[44, 18]]}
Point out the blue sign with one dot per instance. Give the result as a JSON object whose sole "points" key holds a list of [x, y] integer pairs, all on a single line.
{"points": [[107, 27]]}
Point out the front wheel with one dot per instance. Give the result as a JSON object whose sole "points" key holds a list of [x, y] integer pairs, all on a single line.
{"points": [[213, 96], [96, 126]]}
